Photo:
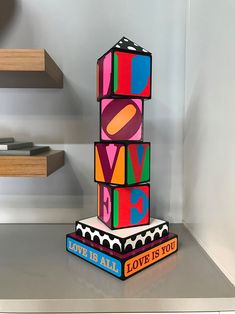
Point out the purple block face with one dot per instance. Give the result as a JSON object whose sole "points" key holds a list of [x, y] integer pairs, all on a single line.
{"points": [[121, 119], [104, 75]]}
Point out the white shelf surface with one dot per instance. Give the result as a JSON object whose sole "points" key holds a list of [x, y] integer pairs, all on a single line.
{"points": [[38, 275]]}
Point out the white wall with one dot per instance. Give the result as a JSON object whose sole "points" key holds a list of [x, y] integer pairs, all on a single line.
{"points": [[76, 33], [209, 149]]}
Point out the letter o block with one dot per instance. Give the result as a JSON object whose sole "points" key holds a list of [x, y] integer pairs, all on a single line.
{"points": [[122, 207], [121, 119]]}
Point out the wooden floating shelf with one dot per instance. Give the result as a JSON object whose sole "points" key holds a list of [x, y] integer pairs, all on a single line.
{"points": [[41, 165], [29, 68]]}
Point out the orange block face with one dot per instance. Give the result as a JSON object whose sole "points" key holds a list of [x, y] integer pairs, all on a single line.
{"points": [[110, 163], [122, 163], [150, 257]]}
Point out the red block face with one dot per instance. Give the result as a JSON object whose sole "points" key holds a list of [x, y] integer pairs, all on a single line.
{"points": [[122, 207], [124, 74], [132, 74]]}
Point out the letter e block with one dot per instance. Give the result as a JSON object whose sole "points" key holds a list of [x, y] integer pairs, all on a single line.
{"points": [[122, 207]]}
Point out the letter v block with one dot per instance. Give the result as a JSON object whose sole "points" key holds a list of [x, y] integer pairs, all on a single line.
{"points": [[122, 163], [122, 207]]}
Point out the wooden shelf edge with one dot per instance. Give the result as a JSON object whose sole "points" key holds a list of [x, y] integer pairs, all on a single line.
{"points": [[29, 68], [41, 165]]}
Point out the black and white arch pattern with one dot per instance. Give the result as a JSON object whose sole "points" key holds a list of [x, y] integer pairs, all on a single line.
{"points": [[98, 237], [113, 239], [146, 237], [126, 44]]}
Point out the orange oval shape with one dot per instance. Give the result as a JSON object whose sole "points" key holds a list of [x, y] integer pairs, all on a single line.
{"points": [[121, 119]]}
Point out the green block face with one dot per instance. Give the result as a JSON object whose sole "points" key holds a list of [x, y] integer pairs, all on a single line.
{"points": [[138, 163]]}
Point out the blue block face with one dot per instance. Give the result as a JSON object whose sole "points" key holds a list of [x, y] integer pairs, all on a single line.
{"points": [[140, 73], [99, 259]]}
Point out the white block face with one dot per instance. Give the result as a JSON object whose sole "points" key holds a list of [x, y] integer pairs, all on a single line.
{"points": [[122, 240]]}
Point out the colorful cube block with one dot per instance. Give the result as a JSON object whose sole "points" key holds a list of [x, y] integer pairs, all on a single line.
{"points": [[122, 207], [121, 119], [124, 71], [122, 163]]}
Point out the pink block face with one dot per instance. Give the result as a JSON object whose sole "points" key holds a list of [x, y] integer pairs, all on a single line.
{"points": [[104, 68], [121, 119], [105, 204]]}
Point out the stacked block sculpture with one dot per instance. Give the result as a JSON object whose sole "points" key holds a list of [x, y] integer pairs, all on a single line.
{"points": [[122, 239]]}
